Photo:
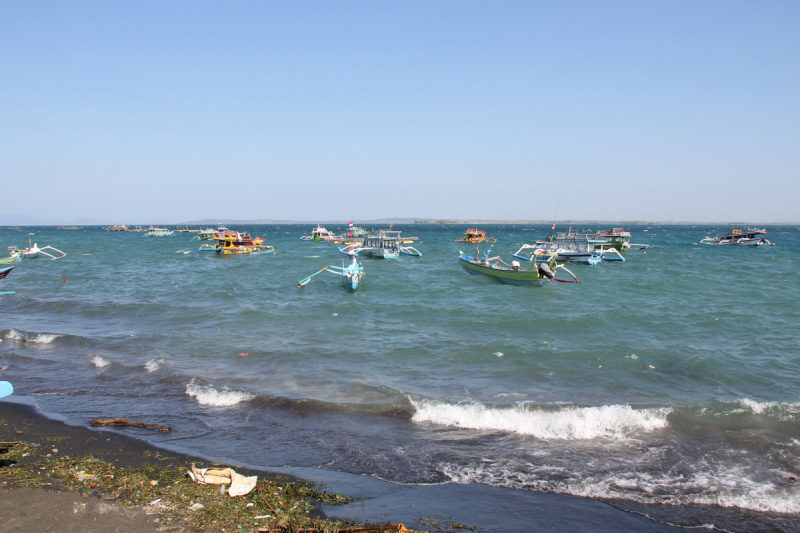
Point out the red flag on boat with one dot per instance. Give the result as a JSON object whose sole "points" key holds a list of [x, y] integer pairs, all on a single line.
{"points": [[351, 223]]}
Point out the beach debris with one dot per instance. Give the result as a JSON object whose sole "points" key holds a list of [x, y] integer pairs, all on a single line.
{"points": [[400, 528], [125, 422], [83, 476], [196, 506], [245, 354], [239, 484]]}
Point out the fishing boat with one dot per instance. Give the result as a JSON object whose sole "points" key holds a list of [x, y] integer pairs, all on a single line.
{"points": [[70, 227], [616, 238], [351, 274], [235, 243], [512, 274], [207, 234], [5, 271], [153, 231], [318, 234], [14, 256], [33, 251], [117, 228], [384, 245], [476, 236], [353, 232], [737, 237], [574, 247]]}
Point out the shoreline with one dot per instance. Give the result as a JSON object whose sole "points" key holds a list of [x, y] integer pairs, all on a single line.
{"points": [[483, 507]]}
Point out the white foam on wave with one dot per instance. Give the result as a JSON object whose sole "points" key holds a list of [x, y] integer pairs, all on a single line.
{"points": [[207, 395], [41, 338], [99, 361], [570, 423], [708, 485], [153, 365], [761, 408]]}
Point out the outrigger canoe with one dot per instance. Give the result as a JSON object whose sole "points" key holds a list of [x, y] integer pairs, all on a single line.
{"points": [[513, 274]]}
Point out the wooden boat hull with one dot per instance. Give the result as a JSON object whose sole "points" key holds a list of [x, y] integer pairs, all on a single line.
{"points": [[506, 275], [5, 271]]}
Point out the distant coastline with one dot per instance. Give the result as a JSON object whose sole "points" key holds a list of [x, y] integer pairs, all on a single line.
{"points": [[11, 220]]}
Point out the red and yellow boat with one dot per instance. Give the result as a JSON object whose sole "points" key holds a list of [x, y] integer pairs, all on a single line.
{"points": [[229, 242], [476, 236]]}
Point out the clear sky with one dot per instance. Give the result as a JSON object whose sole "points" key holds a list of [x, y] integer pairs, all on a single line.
{"points": [[170, 111]]}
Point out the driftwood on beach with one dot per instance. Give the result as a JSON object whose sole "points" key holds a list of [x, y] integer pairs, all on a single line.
{"points": [[126, 422]]}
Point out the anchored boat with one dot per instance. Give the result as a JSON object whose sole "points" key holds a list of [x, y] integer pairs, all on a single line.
{"points": [[153, 231], [512, 274], [318, 234], [476, 236], [13, 257], [235, 243], [737, 237], [385, 245], [33, 251], [351, 274]]}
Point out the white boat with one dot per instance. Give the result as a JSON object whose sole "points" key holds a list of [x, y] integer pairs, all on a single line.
{"points": [[33, 251], [737, 237], [158, 232], [318, 234]]}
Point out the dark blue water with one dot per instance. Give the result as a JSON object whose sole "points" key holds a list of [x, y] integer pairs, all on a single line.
{"points": [[673, 377]]}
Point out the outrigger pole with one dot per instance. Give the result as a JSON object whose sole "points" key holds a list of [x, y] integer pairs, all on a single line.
{"points": [[307, 280]]}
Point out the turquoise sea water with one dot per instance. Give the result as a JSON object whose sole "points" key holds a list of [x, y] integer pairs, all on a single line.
{"points": [[672, 378]]}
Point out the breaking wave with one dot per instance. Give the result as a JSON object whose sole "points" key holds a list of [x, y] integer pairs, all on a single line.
{"points": [[571, 423], [207, 395], [99, 361], [153, 365], [40, 338], [767, 408]]}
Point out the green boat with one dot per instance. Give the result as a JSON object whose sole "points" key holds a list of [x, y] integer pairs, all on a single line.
{"points": [[512, 274], [13, 257], [617, 238]]}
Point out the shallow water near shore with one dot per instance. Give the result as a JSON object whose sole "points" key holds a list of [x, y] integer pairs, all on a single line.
{"points": [[670, 378]]}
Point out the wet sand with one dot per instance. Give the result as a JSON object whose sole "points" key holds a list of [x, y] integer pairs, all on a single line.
{"points": [[417, 506]]}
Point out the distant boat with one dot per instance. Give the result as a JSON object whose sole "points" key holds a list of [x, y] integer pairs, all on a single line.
{"points": [[208, 233], [385, 245], [70, 227], [476, 236], [153, 231], [737, 237], [230, 242], [117, 228], [617, 238], [319, 234]]}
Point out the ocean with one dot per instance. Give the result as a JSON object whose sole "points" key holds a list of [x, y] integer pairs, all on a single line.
{"points": [[672, 378]]}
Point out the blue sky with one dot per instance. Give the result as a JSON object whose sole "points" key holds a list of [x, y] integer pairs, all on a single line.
{"points": [[173, 111]]}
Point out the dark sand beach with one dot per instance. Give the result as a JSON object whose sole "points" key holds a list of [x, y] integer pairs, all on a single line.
{"points": [[430, 507]]}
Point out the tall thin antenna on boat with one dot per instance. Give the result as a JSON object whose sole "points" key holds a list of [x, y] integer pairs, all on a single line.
{"points": [[557, 204]]}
